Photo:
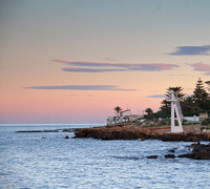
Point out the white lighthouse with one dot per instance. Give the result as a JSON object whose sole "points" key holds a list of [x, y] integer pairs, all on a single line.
{"points": [[175, 112]]}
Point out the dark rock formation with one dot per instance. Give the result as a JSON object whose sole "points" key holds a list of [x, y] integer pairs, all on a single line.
{"points": [[66, 137], [184, 156], [34, 131], [104, 133], [68, 130], [173, 150], [170, 156], [128, 133], [152, 157], [200, 152]]}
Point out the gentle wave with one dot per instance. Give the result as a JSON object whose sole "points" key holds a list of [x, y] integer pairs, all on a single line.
{"points": [[48, 160]]}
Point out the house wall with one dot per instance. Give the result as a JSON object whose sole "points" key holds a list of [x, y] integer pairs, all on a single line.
{"points": [[125, 113], [203, 116], [192, 118]]}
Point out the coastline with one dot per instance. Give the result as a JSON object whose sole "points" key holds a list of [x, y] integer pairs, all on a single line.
{"points": [[192, 133]]}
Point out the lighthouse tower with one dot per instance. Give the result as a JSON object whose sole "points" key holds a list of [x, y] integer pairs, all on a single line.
{"points": [[175, 112]]}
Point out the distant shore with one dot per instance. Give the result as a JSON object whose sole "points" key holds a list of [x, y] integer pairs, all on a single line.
{"points": [[192, 133]]}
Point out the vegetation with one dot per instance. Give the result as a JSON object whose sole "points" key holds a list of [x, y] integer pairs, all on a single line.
{"points": [[198, 102], [200, 95], [146, 126], [208, 85], [205, 122], [149, 112], [177, 90], [118, 109]]}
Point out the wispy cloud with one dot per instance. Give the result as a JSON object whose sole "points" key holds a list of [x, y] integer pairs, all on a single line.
{"points": [[192, 50], [113, 67], [157, 96], [81, 87], [202, 67], [91, 70], [152, 67]]}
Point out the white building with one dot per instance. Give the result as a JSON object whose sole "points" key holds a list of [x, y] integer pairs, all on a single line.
{"points": [[124, 116], [125, 113], [192, 118], [134, 117]]}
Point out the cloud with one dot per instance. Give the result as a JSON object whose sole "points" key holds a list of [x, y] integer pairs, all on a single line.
{"points": [[91, 70], [192, 50], [81, 87], [113, 67], [202, 67], [152, 67], [157, 96]]}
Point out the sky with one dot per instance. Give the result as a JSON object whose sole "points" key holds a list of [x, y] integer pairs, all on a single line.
{"points": [[73, 61]]}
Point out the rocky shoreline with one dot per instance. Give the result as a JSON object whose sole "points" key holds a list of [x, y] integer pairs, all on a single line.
{"points": [[128, 132], [195, 151], [199, 152]]}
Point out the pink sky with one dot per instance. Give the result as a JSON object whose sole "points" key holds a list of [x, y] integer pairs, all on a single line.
{"points": [[73, 62]]}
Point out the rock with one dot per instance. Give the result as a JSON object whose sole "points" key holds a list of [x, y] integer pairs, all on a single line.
{"points": [[51, 131], [33, 131], [184, 156], [200, 152], [170, 156], [68, 130], [130, 132], [173, 150], [152, 157], [66, 137]]}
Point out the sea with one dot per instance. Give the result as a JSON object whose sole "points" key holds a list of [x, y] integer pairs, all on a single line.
{"points": [[48, 160]]}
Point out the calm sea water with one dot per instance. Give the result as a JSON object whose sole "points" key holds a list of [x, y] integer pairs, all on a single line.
{"points": [[27, 161]]}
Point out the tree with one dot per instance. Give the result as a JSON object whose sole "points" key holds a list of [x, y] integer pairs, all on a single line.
{"points": [[165, 109], [189, 107], [177, 90], [165, 105], [208, 85], [118, 109], [200, 94], [149, 111]]}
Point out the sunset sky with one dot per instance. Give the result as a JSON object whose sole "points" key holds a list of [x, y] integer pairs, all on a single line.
{"points": [[73, 61]]}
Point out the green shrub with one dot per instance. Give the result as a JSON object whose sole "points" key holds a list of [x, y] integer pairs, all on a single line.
{"points": [[205, 122]]}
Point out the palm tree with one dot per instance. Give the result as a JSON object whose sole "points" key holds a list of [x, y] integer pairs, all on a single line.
{"points": [[149, 111], [177, 90], [118, 109]]}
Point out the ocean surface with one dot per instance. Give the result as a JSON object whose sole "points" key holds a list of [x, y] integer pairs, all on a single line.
{"points": [[48, 160]]}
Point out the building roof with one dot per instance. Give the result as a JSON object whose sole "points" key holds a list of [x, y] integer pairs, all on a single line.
{"points": [[125, 110]]}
